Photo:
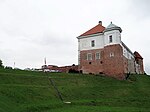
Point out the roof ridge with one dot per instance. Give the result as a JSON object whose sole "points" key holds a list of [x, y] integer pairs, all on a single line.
{"points": [[96, 29]]}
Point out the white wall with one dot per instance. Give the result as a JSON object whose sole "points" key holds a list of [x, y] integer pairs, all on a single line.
{"points": [[116, 37], [126, 53], [85, 43], [100, 40]]}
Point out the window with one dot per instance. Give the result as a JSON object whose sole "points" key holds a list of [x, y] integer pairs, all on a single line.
{"points": [[111, 54], [110, 39], [84, 56], [97, 55], [89, 56], [92, 43]]}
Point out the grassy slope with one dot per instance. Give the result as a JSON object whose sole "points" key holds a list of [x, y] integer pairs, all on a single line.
{"points": [[22, 91]]}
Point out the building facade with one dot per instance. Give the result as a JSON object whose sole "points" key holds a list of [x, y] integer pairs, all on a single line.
{"points": [[64, 69], [101, 51]]}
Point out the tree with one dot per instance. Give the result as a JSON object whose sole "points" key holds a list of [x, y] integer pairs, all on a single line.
{"points": [[1, 64]]}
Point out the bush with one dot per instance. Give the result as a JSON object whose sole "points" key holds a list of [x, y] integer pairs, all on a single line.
{"points": [[1, 64], [7, 67], [73, 71], [132, 77]]}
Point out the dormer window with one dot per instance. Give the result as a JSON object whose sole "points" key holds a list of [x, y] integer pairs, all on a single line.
{"points": [[93, 43], [110, 39]]}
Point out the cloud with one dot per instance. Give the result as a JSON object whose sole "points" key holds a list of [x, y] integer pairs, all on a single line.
{"points": [[139, 9], [33, 29]]}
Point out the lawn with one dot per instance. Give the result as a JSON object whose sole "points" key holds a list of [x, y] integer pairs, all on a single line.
{"points": [[24, 91]]}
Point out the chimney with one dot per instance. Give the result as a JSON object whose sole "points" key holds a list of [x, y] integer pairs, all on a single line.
{"points": [[100, 22]]}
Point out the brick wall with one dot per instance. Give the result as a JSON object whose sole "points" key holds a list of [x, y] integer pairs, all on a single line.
{"points": [[65, 69], [94, 66], [113, 61], [140, 63], [141, 66]]}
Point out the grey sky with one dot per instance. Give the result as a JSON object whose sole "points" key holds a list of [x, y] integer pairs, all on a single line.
{"points": [[33, 29]]}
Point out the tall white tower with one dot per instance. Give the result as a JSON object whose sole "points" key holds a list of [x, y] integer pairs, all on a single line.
{"points": [[112, 35]]}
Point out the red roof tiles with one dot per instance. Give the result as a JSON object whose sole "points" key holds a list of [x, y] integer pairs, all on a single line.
{"points": [[137, 55], [97, 29]]}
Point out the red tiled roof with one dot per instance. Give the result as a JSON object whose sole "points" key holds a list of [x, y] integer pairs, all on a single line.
{"points": [[97, 29], [137, 55]]}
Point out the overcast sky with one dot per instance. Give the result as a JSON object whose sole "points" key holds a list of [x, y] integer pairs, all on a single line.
{"points": [[31, 30]]}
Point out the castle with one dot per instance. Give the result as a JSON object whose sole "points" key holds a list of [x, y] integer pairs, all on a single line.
{"points": [[101, 51]]}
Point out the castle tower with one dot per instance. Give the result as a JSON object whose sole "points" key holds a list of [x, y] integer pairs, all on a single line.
{"points": [[113, 52], [90, 50], [112, 35]]}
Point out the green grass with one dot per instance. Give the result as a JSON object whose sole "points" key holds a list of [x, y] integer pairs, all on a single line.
{"points": [[24, 91]]}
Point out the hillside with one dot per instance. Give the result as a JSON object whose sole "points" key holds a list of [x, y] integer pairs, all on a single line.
{"points": [[23, 91]]}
